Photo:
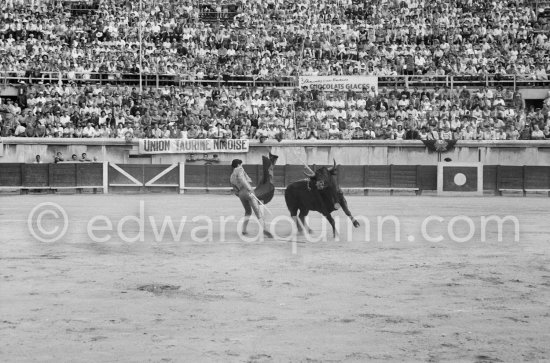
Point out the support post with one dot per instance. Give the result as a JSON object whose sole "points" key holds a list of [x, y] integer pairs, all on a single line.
{"points": [[391, 179], [182, 177], [105, 177], [206, 177], [497, 184], [523, 181]]}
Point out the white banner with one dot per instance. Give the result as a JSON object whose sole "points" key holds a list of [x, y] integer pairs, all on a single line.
{"points": [[331, 83], [191, 146]]}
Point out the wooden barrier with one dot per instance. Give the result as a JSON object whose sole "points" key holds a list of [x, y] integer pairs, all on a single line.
{"points": [[510, 178], [377, 176], [36, 175], [51, 177], [140, 176], [404, 177], [11, 175], [89, 174], [427, 177], [62, 175], [293, 173], [537, 178], [127, 175], [280, 176], [218, 175], [163, 176], [196, 176], [351, 176], [417, 178], [490, 176]]}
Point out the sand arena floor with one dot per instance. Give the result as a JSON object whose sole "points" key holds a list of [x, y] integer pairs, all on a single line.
{"points": [[167, 299]]}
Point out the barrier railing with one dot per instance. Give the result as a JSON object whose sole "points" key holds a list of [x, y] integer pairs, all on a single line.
{"points": [[180, 177], [513, 81], [147, 80]]}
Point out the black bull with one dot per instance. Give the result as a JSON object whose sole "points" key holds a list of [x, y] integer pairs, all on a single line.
{"points": [[319, 193]]}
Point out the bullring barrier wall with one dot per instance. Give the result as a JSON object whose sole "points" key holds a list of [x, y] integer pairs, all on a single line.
{"points": [[368, 152], [179, 177]]}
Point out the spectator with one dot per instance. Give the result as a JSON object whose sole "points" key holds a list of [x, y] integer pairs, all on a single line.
{"points": [[537, 134], [334, 133], [84, 158], [58, 157]]}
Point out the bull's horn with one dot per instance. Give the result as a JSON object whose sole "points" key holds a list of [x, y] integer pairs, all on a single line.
{"points": [[332, 167]]}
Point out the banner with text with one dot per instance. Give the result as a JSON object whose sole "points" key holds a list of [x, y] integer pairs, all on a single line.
{"points": [[344, 83], [191, 146]]}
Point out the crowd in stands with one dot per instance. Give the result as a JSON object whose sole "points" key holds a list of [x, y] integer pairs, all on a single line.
{"points": [[93, 111], [42, 41], [273, 39]]}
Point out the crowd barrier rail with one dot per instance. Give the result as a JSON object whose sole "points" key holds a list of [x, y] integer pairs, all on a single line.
{"points": [[179, 177], [154, 79]]}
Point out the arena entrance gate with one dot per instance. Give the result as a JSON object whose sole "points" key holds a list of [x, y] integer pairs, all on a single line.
{"points": [[139, 177]]}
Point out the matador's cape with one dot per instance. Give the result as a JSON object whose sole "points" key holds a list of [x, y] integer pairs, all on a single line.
{"points": [[265, 189]]}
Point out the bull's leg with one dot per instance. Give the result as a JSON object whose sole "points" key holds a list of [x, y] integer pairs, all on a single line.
{"points": [[292, 208], [303, 214], [348, 213], [293, 215], [298, 224], [332, 224], [344, 205]]}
